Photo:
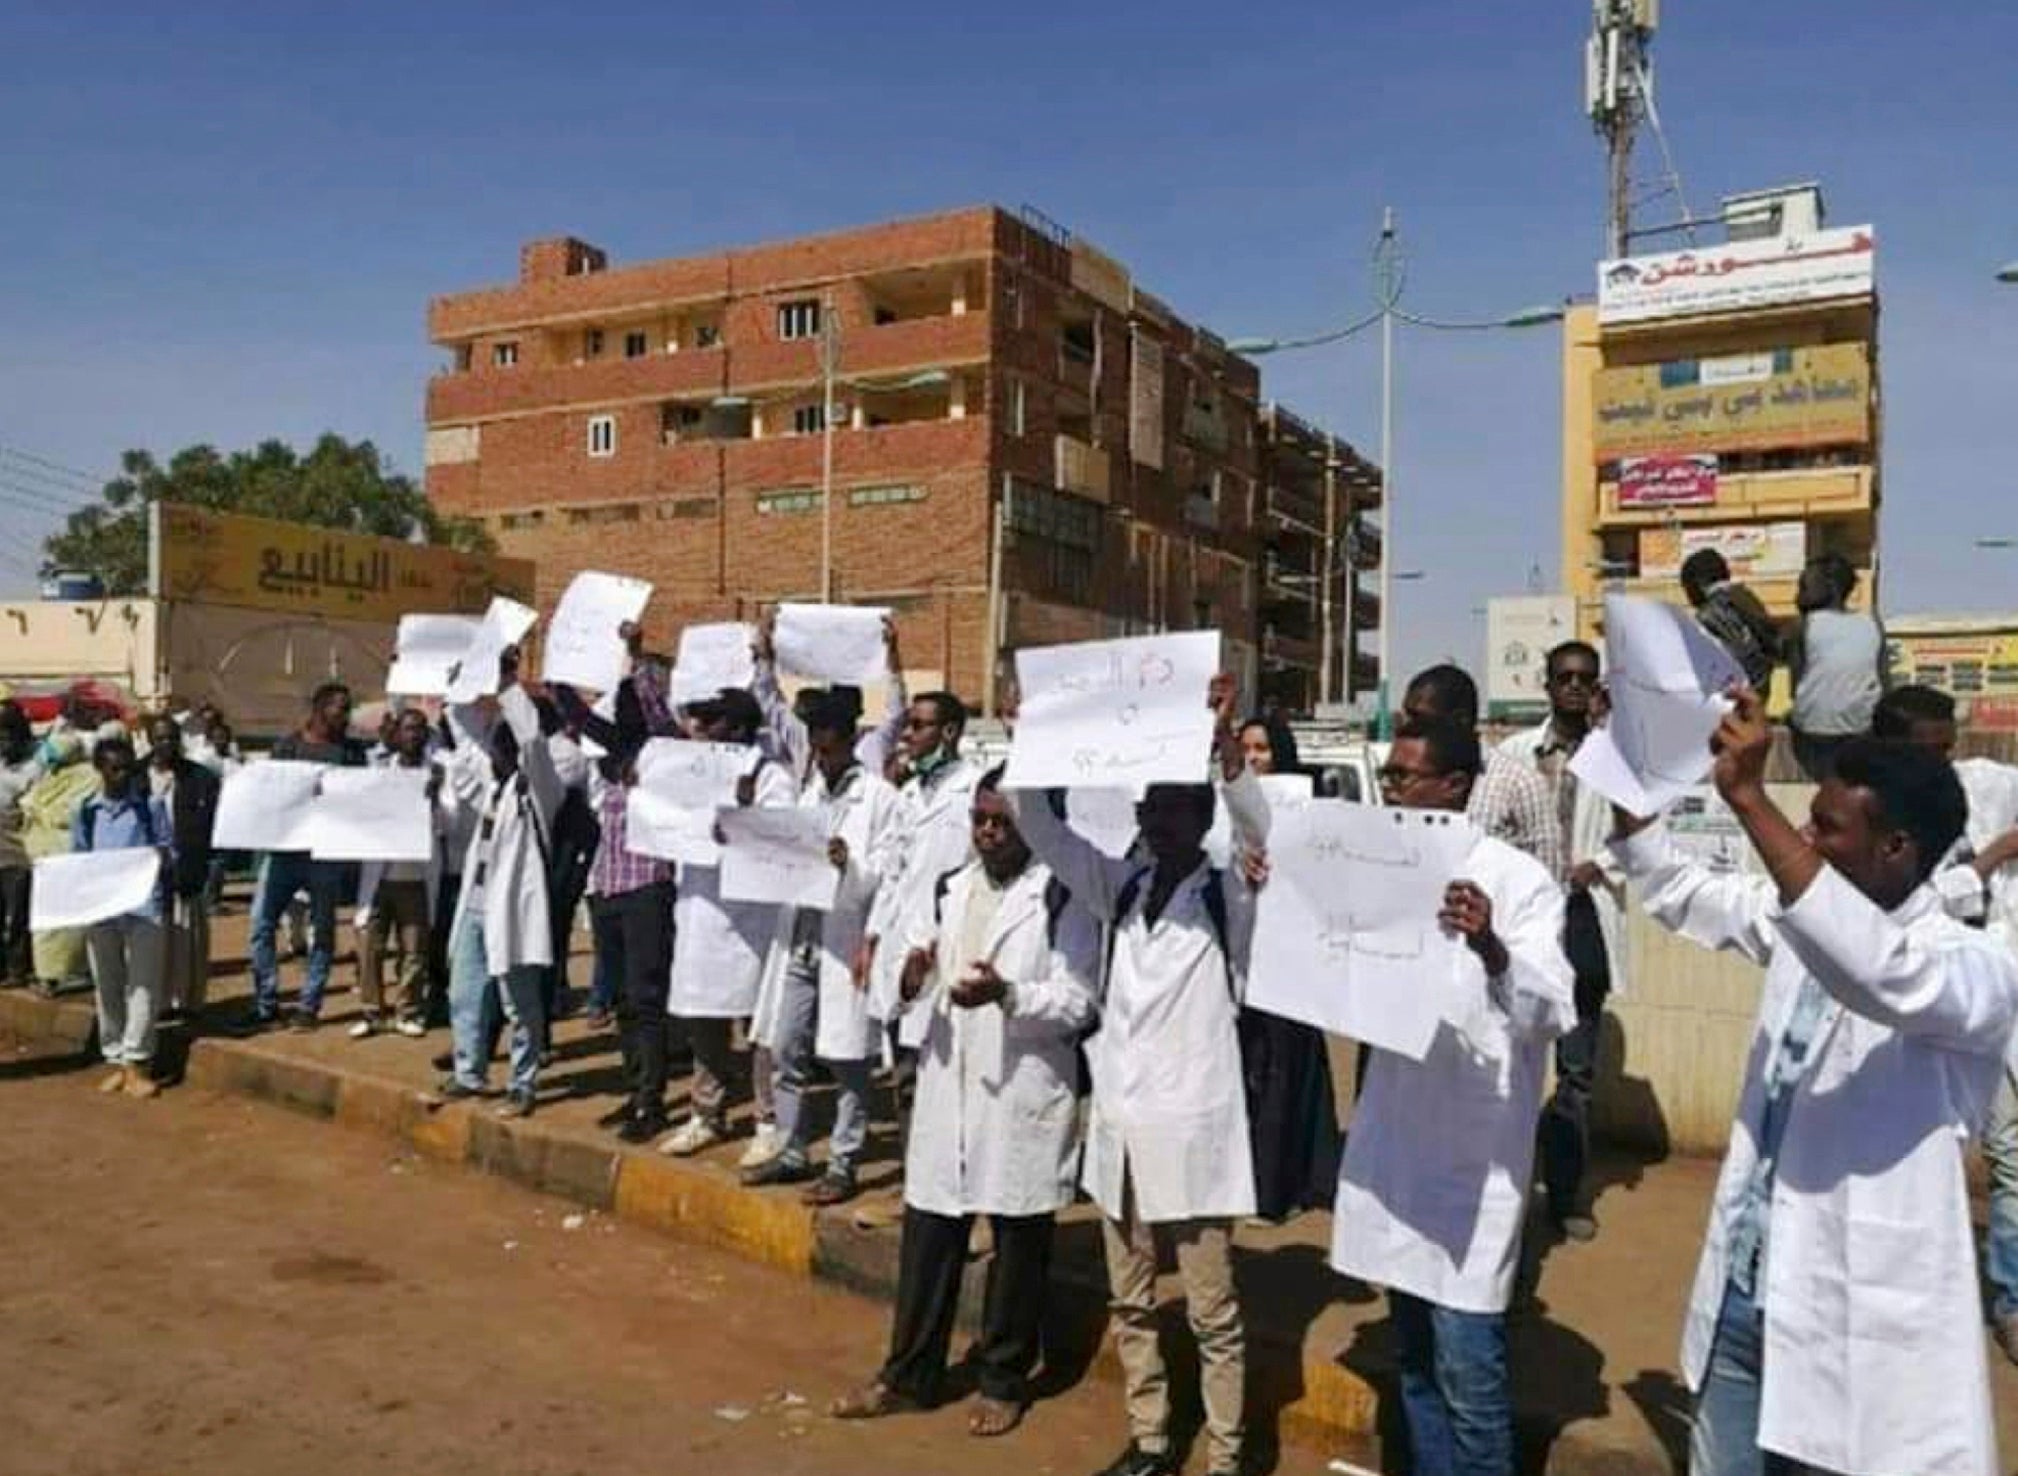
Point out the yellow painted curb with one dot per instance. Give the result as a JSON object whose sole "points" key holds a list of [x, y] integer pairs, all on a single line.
{"points": [[692, 1202]]}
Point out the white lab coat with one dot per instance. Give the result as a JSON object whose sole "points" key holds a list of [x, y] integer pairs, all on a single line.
{"points": [[517, 928], [1992, 791], [1433, 1188], [1874, 1358], [864, 814], [1589, 840], [1169, 1112], [935, 836], [718, 946], [995, 1128]]}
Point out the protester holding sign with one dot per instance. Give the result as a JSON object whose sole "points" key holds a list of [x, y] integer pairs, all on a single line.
{"points": [[190, 791], [502, 936], [810, 1002], [1167, 1149], [129, 952], [1433, 1188], [719, 946], [395, 902], [323, 739], [21, 766], [1835, 1321]]}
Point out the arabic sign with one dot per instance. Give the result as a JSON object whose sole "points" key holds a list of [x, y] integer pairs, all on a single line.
{"points": [[1821, 398], [1668, 481], [1739, 275], [1960, 662], [1753, 550], [217, 558], [1520, 633]]}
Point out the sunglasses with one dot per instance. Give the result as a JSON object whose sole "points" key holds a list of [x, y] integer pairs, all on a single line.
{"points": [[1574, 679]]}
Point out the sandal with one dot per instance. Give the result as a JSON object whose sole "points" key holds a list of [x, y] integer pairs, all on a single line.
{"points": [[993, 1417], [872, 1403]]}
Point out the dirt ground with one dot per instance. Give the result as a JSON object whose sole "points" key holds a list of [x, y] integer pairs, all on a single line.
{"points": [[203, 1284]]}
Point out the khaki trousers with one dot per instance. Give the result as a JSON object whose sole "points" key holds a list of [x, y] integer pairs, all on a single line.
{"points": [[1203, 1250], [397, 927]]}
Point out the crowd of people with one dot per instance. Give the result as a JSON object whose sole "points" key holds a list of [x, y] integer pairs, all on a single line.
{"points": [[1051, 1019]]}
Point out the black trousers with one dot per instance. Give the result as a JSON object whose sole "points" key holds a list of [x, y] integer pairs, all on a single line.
{"points": [[1565, 1133], [634, 932], [17, 965], [929, 1263], [445, 901]]}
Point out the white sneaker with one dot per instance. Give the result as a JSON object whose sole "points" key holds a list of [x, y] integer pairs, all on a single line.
{"points": [[363, 1030], [766, 1144], [694, 1135], [412, 1029]]}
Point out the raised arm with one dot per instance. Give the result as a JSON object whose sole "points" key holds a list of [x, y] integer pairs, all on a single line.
{"points": [[1094, 879], [873, 748], [1731, 913], [783, 736]]}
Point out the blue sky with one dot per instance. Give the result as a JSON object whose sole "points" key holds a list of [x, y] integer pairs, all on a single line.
{"points": [[223, 222]]}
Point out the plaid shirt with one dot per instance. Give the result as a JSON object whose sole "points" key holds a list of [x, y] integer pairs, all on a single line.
{"points": [[618, 870], [1513, 803]]}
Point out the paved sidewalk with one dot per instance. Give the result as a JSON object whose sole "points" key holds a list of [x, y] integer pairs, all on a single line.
{"points": [[1593, 1346]]}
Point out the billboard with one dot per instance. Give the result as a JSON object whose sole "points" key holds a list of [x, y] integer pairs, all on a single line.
{"points": [[1668, 481], [203, 557], [1520, 631], [1739, 275], [1753, 550], [1819, 396]]}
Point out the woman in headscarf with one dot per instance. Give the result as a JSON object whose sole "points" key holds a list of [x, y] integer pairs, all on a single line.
{"points": [[1292, 1118], [47, 811]]}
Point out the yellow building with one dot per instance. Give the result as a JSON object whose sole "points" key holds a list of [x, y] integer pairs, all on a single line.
{"points": [[1724, 397]]}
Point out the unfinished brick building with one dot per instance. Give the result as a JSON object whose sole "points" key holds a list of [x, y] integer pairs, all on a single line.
{"points": [[1025, 446]]}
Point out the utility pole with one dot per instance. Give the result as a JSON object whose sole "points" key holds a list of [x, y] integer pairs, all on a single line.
{"points": [[1327, 569], [1618, 95], [1387, 266]]}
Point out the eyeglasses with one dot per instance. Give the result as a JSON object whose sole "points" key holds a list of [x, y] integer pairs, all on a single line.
{"points": [[1391, 777], [981, 818], [1573, 679]]}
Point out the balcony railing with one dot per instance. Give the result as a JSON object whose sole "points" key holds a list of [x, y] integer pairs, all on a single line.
{"points": [[1087, 471]]}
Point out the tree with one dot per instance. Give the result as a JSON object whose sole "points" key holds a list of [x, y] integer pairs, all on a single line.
{"points": [[339, 484]]}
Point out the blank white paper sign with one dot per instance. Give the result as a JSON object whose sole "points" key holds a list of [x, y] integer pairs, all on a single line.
{"points": [[712, 657], [429, 648], [504, 625], [832, 643], [265, 806], [372, 815], [86, 887]]}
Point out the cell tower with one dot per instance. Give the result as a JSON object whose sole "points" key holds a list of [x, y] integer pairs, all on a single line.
{"points": [[1618, 97]]}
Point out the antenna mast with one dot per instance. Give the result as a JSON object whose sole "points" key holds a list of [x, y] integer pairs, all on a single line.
{"points": [[1618, 94]]}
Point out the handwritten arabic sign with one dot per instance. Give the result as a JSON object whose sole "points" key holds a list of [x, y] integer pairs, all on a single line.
{"points": [[1668, 481], [1822, 398], [1739, 275], [264, 564], [1347, 937], [1115, 713]]}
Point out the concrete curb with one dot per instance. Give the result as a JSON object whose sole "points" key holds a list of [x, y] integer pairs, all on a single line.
{"points": [[1316, 1403]]}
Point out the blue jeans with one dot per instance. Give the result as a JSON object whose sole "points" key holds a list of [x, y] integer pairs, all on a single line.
{"points": [[1454, 1390], [793, 1063], [281, 875], [478, 1004], [1725, 1437], [2000, 1156], [602, 984]]}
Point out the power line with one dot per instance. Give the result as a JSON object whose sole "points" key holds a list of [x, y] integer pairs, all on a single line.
{"points": [[43, 499], [44, 509], [43, 482], [15, 453]]}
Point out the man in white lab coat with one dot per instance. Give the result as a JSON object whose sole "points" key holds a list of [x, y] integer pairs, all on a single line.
{"points": [[502, 937], [1591, 911], [1978, 884], [719, 946], [1834, 1324], [1433, 1188], [1168, 1158], [1002, 971], [809, 1003]]}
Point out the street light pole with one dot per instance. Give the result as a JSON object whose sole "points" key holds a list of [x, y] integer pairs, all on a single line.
{"points": [[1328, 570], [830, 355], [1387, 266]]}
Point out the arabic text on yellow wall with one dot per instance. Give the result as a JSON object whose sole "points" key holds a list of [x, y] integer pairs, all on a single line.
{"points": [[264, 564], [1825, 400]]}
